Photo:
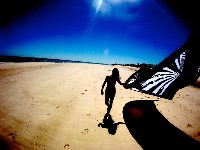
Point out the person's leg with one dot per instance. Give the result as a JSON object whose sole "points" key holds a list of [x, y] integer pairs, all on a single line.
{"points": [[111, 98], [152, 130], [107, 98], [110, 105]]}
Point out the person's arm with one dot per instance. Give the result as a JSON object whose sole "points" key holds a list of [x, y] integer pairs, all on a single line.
{"points": [[120, 82], [103, 86]]}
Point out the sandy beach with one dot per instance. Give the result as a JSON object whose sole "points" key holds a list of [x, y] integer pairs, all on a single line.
{"points": [[57, 106]]}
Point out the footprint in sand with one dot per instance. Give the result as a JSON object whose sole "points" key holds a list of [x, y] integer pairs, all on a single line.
{"points": [[13, 135], [88, 115], [85, 131], [66, 146]]}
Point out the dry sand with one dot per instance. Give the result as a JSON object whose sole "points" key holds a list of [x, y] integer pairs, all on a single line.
{"points": [[58, 106]]}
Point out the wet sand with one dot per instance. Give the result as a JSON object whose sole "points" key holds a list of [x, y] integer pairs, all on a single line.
{"points": [[58, 106]]}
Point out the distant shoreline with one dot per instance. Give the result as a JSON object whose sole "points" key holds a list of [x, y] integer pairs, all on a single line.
{"points": [[20, 59]]}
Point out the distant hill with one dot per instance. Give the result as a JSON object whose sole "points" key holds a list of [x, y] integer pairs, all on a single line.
{"points": [[25, 59], [18, 59]]}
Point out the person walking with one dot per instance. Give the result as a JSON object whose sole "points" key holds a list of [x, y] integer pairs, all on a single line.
{"points": [[110, 89]]}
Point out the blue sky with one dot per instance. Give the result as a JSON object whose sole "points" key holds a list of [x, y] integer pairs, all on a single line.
{"points": [[99, 31]]}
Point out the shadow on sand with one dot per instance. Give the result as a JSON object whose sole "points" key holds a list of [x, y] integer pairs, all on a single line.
{"points": [[152, 130], [5, 145], [110, 124]]}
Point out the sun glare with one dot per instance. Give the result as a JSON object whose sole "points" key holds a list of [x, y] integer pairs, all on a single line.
{"points": [[98, 5], [106, 51]]}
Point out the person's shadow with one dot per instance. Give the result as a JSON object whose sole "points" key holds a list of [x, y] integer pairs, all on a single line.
{"points": [[110, 124]]}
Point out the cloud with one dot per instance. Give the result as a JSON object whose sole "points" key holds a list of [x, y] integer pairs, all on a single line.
{"points": [[119, 9]]}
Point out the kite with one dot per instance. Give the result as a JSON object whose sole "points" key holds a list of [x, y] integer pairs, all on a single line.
{"points": [[178, 70]]}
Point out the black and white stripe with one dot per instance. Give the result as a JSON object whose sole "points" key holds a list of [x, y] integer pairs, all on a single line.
{"points": [[160, 81]]}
